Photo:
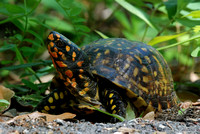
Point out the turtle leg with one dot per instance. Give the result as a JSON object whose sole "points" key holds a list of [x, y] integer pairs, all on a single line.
{"points": [[114, 103], [58, 101]]}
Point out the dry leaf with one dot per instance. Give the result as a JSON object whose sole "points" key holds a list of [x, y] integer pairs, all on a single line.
{"points": [[6, 94], [149, 116], [49, 117]]}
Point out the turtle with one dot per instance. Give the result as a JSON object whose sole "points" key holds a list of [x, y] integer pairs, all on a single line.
{"points": [[107, 74]]}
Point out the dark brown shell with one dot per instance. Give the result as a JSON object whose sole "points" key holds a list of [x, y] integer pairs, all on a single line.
{"points": [[136, 67]]}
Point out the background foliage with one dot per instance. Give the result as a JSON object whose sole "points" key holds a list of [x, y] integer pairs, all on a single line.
{"points": [[171, 26]]}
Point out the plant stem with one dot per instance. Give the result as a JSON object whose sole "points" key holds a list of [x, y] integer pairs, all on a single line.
{"points": [[178, 43]]}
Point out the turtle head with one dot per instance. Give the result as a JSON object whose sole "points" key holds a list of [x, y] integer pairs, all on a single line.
{"points": [[64, 53]]}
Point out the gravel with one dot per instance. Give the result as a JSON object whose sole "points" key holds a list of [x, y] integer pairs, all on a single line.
{"points": [[135, 126]]}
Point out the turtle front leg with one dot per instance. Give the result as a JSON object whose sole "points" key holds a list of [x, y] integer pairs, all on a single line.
{"points": [[58, 101], [114, 103]]}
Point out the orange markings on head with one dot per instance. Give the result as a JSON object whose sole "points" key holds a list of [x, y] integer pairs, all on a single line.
{"points": [[81, 70], [54, 54], [69, 73], [51, 44], [53, 62], [55, 49], [82, 92], [80, 63], [74, 54], [86, 89], [67, 48], [61, 64], [61, 76], [73, 80], [58, 36], [74, 84], [80, 76], [50, 37], [60, 53], [66, 83], [68, 80]]}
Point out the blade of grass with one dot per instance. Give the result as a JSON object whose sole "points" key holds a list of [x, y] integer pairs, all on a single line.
{"points": [[178, 43]]}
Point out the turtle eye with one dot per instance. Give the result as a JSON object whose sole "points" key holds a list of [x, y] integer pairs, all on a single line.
{"points": [[59, 43]]}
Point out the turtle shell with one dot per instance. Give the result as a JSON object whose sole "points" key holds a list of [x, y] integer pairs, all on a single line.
{"points": [[137, 68]]}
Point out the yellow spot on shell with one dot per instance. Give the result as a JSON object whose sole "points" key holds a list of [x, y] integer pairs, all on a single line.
{"points": [[148, 59], [135, 72], [138, 58], [50, 37], [145, 79], [107, 51], [144, 69], [111, 95], [155, 73], [46, 108], [126, 66], [144, 49], [81, 70], [56, 96], [96, 50], [50, 100], [61, 64], [111, 101], [143, 88], [98, 55], [119, 45], [113, 107], [53, 107], [61, 95]]}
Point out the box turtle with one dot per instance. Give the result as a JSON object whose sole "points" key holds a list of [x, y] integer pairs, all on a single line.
{"points": [[107, 74]]}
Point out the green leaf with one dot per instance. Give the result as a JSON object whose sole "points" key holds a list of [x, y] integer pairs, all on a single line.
{"points": [[171, 6], [181, 5], [78, 20], [18, 55], [136, 11], [7, 47], [48, 62], [101, 34], [75, 11], [14, 9], [195, 52], [30, 84], [160, 39], [36, 35], [3, 104], [196, 29], [194, 14], [82, 28], [27, 51]]}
